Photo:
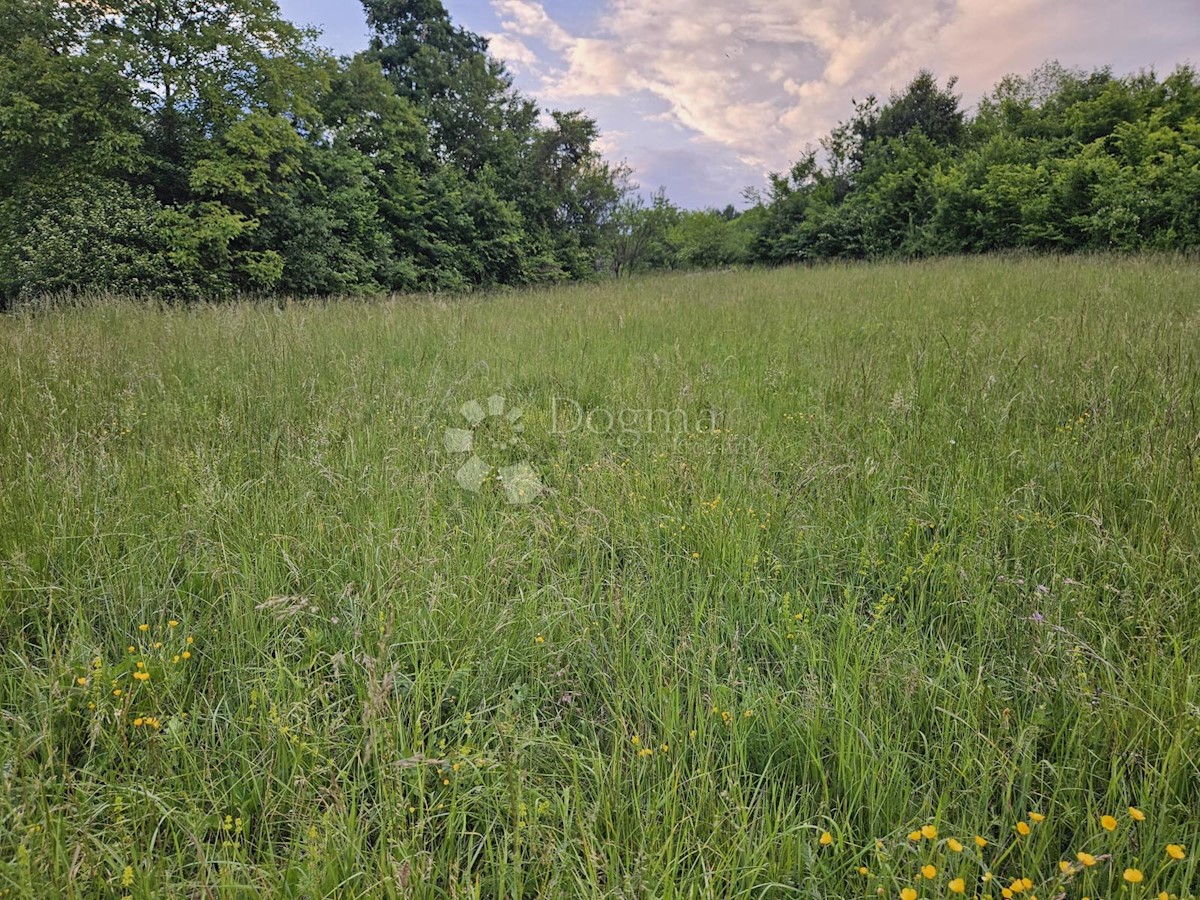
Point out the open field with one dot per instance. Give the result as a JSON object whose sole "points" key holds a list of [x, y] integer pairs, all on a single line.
{"points": [[863, 550]]}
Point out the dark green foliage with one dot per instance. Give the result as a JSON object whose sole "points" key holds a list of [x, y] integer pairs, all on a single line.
{"points": [[1058, 161], [191, 148], [205, 148]]}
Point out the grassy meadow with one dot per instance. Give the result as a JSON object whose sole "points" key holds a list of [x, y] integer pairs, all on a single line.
{"points": [[851, 567]]}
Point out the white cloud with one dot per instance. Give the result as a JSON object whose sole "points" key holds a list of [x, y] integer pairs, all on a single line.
{"points": [[512, 50], [764, 78], [529, 18]]}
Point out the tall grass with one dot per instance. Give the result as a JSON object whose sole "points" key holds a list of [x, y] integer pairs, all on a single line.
{"points": [[902, 546]]}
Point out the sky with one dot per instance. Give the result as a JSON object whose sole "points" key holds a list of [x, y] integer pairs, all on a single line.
{"points": [[705, 97]]}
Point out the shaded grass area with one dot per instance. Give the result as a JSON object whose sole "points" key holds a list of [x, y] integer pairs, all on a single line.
{"points": [[879, 547]]}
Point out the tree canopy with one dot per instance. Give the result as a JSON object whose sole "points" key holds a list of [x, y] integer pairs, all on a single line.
{"points": [[205, 148], [189, 148]]}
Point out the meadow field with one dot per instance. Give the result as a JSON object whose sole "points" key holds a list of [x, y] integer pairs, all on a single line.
{"points": [[820, 583]]}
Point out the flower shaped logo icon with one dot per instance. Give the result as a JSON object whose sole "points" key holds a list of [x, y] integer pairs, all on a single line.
{"points": [[493, 427]]}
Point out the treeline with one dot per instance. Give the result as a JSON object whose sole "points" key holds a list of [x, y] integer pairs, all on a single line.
{"points": [[200, 148], [204, 148], [1060, 161]]}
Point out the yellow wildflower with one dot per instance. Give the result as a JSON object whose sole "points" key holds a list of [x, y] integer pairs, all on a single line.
{"points": [[1036, 817], [1134, 876], [958, 886], [955, 844], [1108, 822], [143, 627], [929, 871], [1086, 858], [908, 894], [1022, 828], [928, 832], [826, 839], [980, 842], [1176, 851]]}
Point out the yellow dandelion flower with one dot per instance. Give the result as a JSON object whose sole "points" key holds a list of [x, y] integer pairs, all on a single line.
{"points": [[826, 839], [81, 681], [131, 649], [1036, 817], [1176, 851], [186, 654], [539, 640], [987, 876], [1086, 859], [914, 835], [1134, 876], [138, 722], [1064, 866], [928, 832], [980, 842], [1108, 823], [117, 692], [1006, 893], [1022, 828], [958, 886], [929, 871], [908, 894], [955, 844], [143, 627], [142, 676], [1026, 883], [863, 870], [1163, 895], [1136, 814], [189, 640]]}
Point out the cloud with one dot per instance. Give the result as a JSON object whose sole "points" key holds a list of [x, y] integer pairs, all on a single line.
{"points": [[529, 18], [512, 50], [764, 78]]}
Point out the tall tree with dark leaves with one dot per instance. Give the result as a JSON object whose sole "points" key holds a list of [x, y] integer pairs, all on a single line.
{"points": [[475, 116]]}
